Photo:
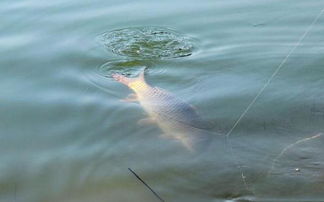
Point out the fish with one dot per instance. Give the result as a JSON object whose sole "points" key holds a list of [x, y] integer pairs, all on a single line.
{"points": [[177, 119]]}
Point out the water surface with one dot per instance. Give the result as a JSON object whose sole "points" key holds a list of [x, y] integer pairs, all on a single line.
{"points": [[65, 135]]}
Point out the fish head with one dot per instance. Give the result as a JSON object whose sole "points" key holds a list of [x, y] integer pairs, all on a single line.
{"points": [[137, 84]]}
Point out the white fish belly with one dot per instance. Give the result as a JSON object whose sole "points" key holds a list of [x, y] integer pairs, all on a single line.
{"points": [[192, 138]]}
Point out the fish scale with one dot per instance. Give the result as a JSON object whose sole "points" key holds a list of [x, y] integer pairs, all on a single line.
{"points": [[176, 118], [165, 104]]}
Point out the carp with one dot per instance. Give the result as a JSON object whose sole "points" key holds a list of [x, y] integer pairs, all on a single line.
{"points": [[177, 119]]}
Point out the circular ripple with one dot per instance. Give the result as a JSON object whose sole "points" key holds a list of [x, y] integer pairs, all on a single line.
{"points": [[128, 68], [148, 42]]}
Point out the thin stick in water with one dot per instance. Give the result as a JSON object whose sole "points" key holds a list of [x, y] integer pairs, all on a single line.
{"points": [[140, 179]]}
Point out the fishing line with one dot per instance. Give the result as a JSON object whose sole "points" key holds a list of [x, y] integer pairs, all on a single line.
{"points": [[261, 91], [289, 147]]}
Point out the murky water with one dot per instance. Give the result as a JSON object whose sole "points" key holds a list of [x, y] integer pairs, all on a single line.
{"points": [[66, 136]]}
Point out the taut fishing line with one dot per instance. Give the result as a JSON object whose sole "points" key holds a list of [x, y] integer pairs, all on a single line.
{"points": [[261, 91]]}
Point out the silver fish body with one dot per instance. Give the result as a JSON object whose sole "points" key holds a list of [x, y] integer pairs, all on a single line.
{"points": [[176, 118]]}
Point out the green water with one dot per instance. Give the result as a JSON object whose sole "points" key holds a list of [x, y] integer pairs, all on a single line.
{"points": [[65, 135]]}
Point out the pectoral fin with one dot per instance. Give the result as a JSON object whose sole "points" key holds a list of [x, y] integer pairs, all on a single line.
{"points": [[185, 141], [166, 136], [146, 121], [130, 98]]}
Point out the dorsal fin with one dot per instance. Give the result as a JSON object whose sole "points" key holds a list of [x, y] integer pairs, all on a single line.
{"points": [[141, 76]]}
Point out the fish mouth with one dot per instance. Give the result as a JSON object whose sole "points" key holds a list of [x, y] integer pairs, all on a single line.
{"points": [[121, 79]]}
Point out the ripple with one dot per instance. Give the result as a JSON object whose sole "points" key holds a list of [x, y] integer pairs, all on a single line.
{"points": [[130, 68], [148, 42]]}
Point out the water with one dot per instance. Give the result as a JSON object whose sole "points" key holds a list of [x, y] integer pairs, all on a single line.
{"points": [[147, 42], [65, 135]]}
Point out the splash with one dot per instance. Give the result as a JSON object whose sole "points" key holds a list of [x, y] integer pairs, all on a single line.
{"points": [[148, 42]]}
